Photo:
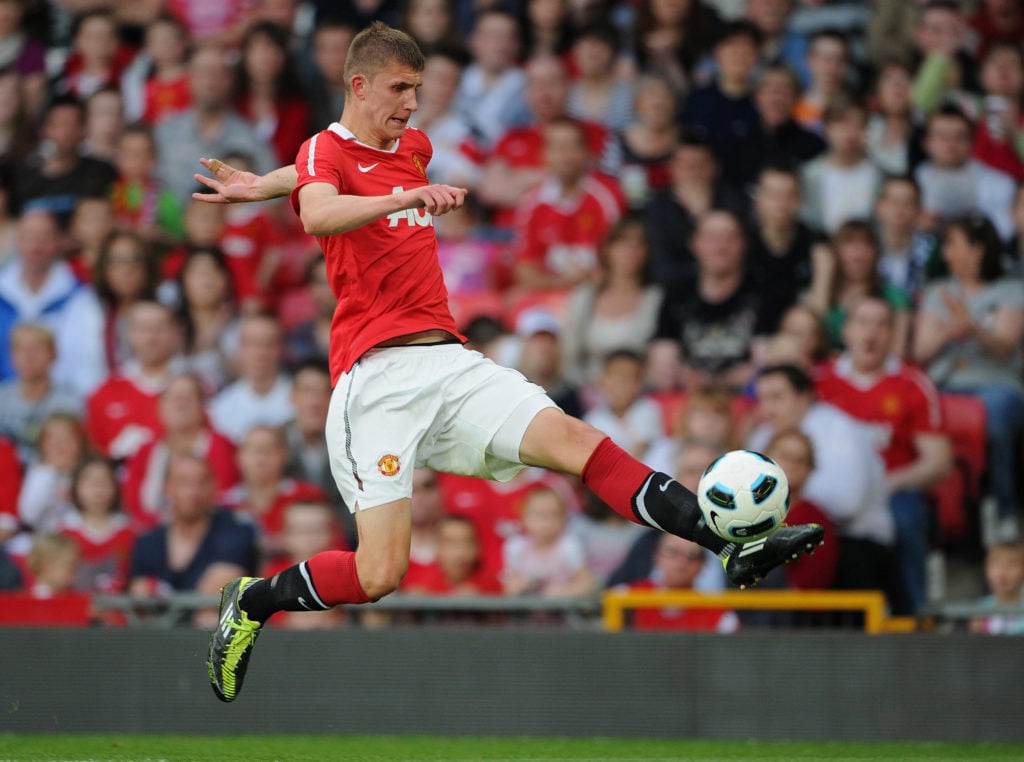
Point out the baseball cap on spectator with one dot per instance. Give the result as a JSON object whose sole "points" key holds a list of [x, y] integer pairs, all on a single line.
{"points": [[537, 320]]}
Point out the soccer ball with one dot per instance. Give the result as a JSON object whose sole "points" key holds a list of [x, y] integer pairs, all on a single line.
{"points": [[743, 495]]}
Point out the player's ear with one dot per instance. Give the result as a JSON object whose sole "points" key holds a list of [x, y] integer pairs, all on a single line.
{"points": [[359, 84]]}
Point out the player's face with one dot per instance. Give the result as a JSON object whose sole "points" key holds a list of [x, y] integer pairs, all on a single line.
{"points": [[387, 101]]}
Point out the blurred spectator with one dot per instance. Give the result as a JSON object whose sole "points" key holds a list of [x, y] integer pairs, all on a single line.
{"points": [[546, 559], [672, 36], [906, 250], [561, 221], [945, 65], [1000, 126], [17, 133], [458, 568], [724, 110], [711, 324], [1004, 573], [707, 416], [210, 128], [263, 492], [641, 152], [619, 310], [952, 183], [142, 203], [269, 96], [309, 340], [672, 213], [10, 574], [54, 562], [262, 393], [10, 487], [39, 287], [776, 137], [491, 93], [121, 415], [23, 56], [45, 498], [97, 58], [968, 334], [901, 405], [31, 397], [892, 132], [847, 270], [472, 257], [331, 39], [793, 451], [843, 183], [540, 358], [1013, 261], [677, 564], [99, 527], [779, 253], [56, 174], [308, 460], [519, 158], [199, 547], [694, 457], [547, 28], [631, 418], [781, 44], [447, 128], [828, 62], [91, 223], [428, 509], [995, 22], [599, 94], [308, 529], [184, 429], [126, 273], [104, 121], [606, 536], [803, 330], [848, 480], [431, 23], [157, 85], [207, 312], [222, 23]]}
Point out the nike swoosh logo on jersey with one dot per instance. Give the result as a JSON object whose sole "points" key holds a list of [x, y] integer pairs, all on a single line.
{"points": [[367, 169]]}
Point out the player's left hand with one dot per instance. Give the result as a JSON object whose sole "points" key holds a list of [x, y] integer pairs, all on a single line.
{"points": [[439, 199]]}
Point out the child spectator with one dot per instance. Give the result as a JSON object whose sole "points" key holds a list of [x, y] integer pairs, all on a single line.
{"points": [[1004, 572], [45, 497], [308, 528], [264, 492], [54, 562], [31, 397], [546, 559], [99, 527], [627, 415], [184, 429], [606, 536], [677, 564], [97, 57], [842, 184], [126, 274], [165, 90], [794, 453], [458, 568], [141, 202], [91, 222]]}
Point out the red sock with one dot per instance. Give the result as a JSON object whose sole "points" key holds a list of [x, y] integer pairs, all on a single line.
{"points": [[334, 576], [615, 476]]}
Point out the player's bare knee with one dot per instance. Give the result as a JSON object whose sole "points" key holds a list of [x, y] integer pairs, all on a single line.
{"points": [[559, 441], [379, 577]]}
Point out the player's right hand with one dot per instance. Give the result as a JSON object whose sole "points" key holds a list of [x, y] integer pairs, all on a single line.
{"points": [[438, 199], [229, 185]]}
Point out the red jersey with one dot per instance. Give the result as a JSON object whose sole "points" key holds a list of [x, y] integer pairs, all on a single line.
{"points": [[105, 556], [431, 579], [385, 274], [900, 405], [271, 520], [121, 416], [164, 98], [562, 235], [815, 571], [249, 233], [689, 620], [10, 486]]}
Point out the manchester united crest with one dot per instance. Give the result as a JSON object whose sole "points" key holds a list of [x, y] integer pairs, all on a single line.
{"points": [[389, 465], [418, 162]]}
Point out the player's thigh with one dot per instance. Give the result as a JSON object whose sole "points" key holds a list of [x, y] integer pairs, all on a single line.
{"points": [[382, 555], [559, 442]]}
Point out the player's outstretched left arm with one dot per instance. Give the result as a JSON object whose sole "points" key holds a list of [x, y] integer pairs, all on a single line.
{"points": [[230, 185]]}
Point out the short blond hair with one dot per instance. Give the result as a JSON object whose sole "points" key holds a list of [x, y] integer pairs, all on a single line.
{"points": [[378, 47], [34, 330]]}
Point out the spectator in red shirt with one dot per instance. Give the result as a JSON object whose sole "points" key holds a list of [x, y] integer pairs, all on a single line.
{"points": [[458, 568], [166, 91], [51, 599], [901, 405], [269, 95], [99, 527], [121, 415], [10, 486], [97, 57], [997, 21], [185, 428], [563, 219], [677, 564]]}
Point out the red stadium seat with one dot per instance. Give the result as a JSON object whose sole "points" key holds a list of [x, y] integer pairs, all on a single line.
{"points": [[950, 499], [466, 307], [964, 419]]}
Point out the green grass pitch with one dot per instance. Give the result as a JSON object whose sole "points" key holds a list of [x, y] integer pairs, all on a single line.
{"points": [[140, 748]]}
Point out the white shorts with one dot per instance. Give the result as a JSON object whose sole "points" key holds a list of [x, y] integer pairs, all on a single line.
{"points": [[441, 406]]}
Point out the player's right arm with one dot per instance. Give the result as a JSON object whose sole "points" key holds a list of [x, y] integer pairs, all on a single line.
{"points": [[230, 185], [325, 212]]}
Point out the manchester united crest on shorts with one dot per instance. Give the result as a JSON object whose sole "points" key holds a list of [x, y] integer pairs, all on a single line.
{"points": [[389, 465]]}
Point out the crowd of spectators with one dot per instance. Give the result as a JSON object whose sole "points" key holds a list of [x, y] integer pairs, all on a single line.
{"points": [[791, 225]]}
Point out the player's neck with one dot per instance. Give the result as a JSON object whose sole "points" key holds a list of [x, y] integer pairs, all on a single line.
{"points": [[363, 134]]}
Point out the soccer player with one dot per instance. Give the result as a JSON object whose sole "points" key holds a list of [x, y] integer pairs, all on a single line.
{"points": [[406, 392]]}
